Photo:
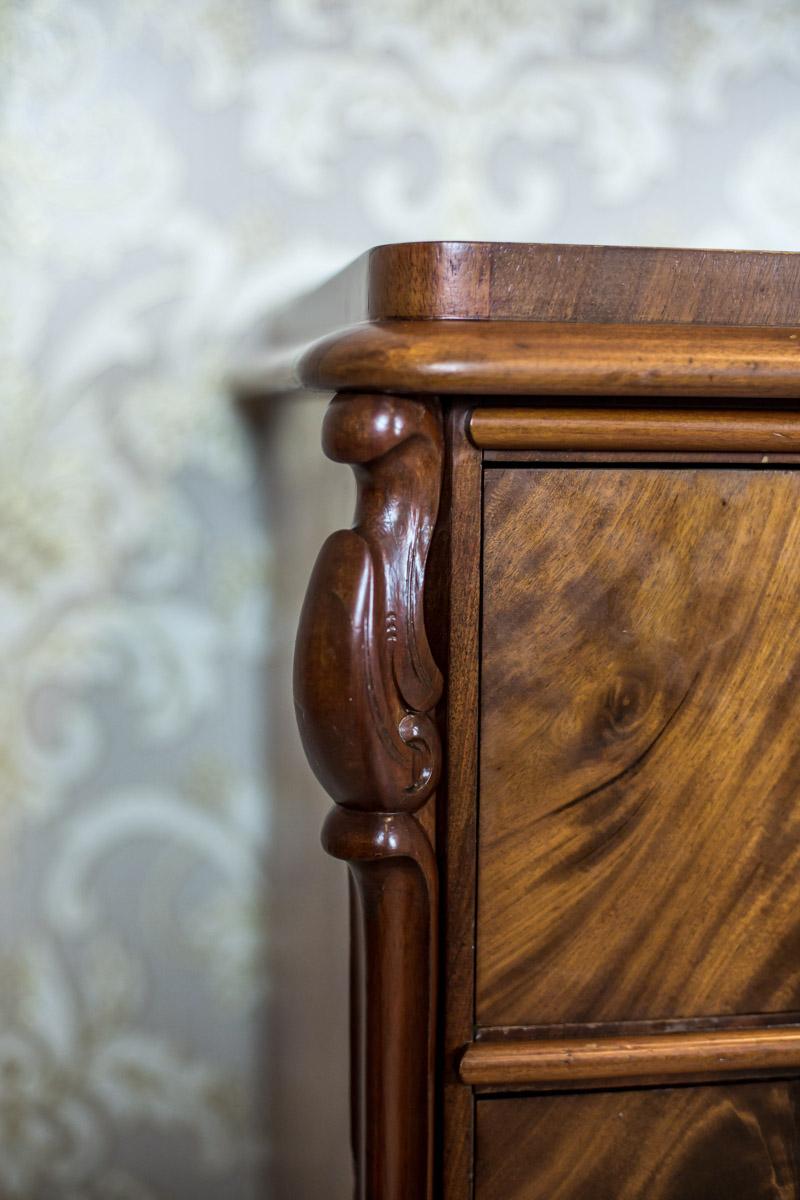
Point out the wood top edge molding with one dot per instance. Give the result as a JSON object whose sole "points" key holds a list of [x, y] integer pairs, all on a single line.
{"points": [[670, 1057], [512, 358]]}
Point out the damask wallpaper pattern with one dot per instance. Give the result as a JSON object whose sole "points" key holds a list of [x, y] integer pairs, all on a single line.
{"points": [[166, 172]]}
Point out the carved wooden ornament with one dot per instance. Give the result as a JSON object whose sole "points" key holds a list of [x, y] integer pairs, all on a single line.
{"points": [[366, 686]]}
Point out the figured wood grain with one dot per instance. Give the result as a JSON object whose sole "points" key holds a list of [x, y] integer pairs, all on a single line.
{"points": [[634, 429], [639, 831], [597, 1062], [731, 1142]]}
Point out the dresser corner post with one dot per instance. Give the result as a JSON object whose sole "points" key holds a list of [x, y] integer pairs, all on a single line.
{"points": [[366, 687]]}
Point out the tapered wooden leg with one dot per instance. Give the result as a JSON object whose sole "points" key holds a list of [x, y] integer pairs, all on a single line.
{"points": [[393, 871]]}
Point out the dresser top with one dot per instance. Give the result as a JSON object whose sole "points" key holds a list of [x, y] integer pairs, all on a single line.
{"points": [[517, 281], [534, 319]]}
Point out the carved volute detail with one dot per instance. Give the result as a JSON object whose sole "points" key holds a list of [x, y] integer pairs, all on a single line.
{"points": [[365, 680], [366, 686]]}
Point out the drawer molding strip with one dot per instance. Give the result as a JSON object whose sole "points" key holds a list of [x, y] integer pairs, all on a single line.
{"points": [[635, 429], [608, 1061]]}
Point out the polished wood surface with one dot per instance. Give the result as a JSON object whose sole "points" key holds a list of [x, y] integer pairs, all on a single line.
{"points": [[365, 689], [729, 1142], [513, 281], [610, 1061], [635, 429], [475, 317], [574, 854], [639, 835], [507, 281], [513, 358]]}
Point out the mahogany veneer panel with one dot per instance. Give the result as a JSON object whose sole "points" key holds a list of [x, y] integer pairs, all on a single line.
{"points": [[709, 1143], [639, 827]]}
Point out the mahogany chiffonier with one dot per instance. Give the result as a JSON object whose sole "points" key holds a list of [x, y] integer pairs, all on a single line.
{"points": [[551, 680]]}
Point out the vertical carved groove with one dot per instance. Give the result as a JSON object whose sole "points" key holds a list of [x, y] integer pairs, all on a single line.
{"points": [[365, 689]]}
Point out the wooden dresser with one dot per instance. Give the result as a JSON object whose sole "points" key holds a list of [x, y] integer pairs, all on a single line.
{"points": [[551, 680]]}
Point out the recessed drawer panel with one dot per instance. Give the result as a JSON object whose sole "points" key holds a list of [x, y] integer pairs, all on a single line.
{"points": [[639, 819], [733, 1142]]}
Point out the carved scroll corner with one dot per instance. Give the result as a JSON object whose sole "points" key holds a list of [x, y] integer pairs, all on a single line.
{"points": [[367, 684]]}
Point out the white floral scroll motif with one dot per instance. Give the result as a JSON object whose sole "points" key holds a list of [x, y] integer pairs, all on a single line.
{"points": [[765, 185], [66, 1081], [167, 173]]}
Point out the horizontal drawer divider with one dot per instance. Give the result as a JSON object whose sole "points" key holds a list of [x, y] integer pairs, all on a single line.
{"points": [[635, 429], [667, 1057]]}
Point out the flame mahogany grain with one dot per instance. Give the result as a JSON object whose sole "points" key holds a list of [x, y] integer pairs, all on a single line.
{"points": [[639, 832], [730, 1142]]}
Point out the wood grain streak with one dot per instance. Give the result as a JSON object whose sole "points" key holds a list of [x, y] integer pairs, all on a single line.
{"points": [[726, 1142], [634, 429], [640, 765]]}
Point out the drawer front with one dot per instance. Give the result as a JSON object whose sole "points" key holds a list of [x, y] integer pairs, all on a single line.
{"points": [[734, 1142], [639, 816]]}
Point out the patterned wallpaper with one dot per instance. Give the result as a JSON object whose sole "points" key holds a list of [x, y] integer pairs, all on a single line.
{"points": [[166, 172]]}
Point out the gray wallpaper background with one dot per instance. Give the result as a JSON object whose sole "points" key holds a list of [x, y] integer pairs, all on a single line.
{"points": [[171, 938]]}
